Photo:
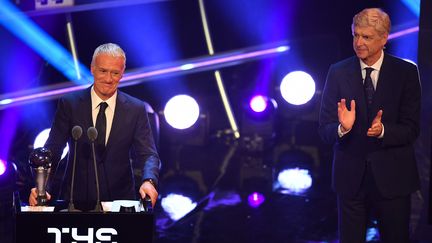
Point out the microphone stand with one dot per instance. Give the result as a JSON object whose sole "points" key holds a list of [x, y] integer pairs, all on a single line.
{"points": [[71, 207], [98, 207]]}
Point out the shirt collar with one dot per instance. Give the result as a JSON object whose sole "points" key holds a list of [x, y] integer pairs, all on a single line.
{"points": [[95, 100], [375, 66]]}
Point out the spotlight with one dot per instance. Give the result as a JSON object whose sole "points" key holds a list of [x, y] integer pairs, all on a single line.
{"points": [[2, 167], [293, 170], [180, 194], [177, 205], [257, 123], [42, 137], [297, 87], [256, 199], [295, 181], [258, 103], [181, 111], [184, 125], [261, 106]]}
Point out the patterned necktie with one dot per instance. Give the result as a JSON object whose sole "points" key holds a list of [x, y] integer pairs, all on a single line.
{"points": [[101, 126], [368, 86]]}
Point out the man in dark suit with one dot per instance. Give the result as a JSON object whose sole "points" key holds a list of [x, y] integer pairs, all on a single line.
{"points": [[125, 137], [370, 112]]}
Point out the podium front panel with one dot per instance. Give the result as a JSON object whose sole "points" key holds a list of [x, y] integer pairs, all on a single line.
{"points": [[58, 227]]}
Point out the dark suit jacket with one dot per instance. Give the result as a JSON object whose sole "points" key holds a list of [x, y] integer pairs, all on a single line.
{"points": [[391, 158], [130, 140]]}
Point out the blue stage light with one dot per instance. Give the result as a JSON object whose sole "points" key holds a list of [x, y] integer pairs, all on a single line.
{"points": [[22, 27], [177, 206], [294, 181], [297, 87], [258, 103], [2, 167], [181, 111], [293, 171]]}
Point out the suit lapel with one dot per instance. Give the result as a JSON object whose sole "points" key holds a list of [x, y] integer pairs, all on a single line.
{"points": [[86, 106], [120, 111]]}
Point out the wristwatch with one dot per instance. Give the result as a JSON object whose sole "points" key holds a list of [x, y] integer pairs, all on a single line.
{"points": [[151, 182]]}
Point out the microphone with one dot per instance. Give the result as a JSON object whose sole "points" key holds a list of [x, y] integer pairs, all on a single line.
{"points": [[92, 134], [76, 134]]}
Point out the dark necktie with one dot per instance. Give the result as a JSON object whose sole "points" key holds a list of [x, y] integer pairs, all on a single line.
{"points": [[101, 127], [368, 86]]}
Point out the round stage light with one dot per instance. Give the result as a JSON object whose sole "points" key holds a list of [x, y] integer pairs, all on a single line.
{"points": [[297, 87], [258, 103], [295, 180], [181, 111], [177, 206], [2, 167], [42, 137]]}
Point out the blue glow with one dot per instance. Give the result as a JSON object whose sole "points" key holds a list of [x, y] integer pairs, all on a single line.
{"points": [[295, 180], [21, 26], [223, 198], [413, 5], [177, 206], [274, 21], [404, 39]]}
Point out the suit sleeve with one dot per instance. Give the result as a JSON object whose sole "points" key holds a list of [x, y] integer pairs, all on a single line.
{"points": [[145, 148], [406, 129], [56, 142], [59, 133], [328, 118]]}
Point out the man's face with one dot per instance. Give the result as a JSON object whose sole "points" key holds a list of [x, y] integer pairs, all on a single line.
{"points": [[107, 72], [368, 44]]}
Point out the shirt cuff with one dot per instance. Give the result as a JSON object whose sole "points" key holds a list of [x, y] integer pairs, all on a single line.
{"points": [[382, 132], [340, 133]]}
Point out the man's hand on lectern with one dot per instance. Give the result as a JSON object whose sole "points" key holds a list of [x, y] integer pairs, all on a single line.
{"points": [[147, 188]]}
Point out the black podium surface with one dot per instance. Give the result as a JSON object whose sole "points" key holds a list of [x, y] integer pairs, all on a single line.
{"points": [[60, 227]]}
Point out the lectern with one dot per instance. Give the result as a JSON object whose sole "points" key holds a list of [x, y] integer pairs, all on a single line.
{"points": [[59, 227]]}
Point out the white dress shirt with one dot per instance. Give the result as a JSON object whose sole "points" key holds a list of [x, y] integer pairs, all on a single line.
{"points": [[109, 112]]}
